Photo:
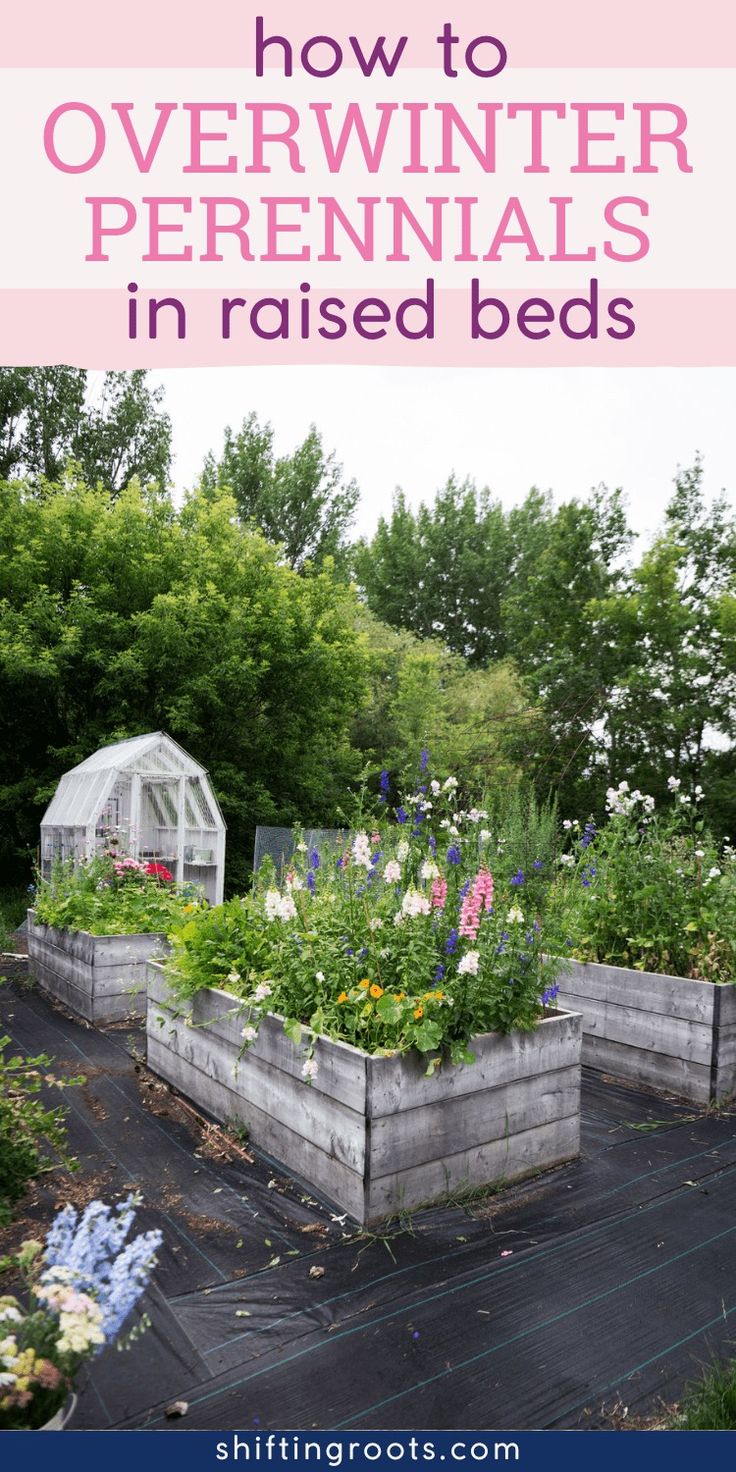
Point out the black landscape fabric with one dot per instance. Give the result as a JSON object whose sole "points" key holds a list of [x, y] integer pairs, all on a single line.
{"points": [[584, 1298]]}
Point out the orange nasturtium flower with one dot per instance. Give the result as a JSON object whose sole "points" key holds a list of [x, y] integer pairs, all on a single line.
{"points": [[376, 990], [418, 1012], [364, 984], [343, 997]]}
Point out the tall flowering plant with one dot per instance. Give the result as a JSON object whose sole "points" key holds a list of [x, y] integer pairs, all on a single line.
{"points": [[113, 894], [421, 933], [82, 1286], [652, 890]]}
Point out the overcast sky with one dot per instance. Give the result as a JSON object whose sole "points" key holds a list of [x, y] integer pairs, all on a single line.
{"points": [[563, 430]]}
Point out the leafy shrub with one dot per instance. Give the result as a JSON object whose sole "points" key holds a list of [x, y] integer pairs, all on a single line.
{"points": [[28, 1129], [424, 932], [651, 890], [113, 895]]}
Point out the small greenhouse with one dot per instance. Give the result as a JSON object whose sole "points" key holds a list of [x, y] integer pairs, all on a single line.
{"points": [[148, 798]]}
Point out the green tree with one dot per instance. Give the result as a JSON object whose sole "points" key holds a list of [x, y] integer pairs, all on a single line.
{"points": [[672, 704], [122, 614], [420, 694], [440, 571], [49, 417], [299, 500]]}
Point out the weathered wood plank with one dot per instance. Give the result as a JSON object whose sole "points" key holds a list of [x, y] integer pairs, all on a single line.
{"points": [[434, 1131], [500, 1160], [653, 1070], [341, 1070], [652, 1031], [673, 996], [77, 998], [331, 1126], [310, 1164], [400, 1083], [63, 962]]}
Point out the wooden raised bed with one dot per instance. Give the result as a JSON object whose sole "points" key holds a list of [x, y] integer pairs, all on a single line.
{"points": [[374, 1135], [666, 1032], [102, 977]]}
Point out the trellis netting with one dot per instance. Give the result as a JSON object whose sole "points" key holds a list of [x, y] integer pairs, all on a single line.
{"points": [[279, 844]]}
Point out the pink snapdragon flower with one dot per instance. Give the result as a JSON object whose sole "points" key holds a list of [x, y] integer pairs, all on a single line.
{"points": [[439, 893], [478, 898]]}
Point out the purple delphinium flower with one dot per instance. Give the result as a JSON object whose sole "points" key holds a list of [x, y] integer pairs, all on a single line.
{"points": [[538, 864], [588, 835], [424, 759], [314, 859], [432, 844], [465, 889], [451, 942], [518, 877], [401, 815], [439, 973], [549, 995], [453, 854], [385, 785], [311, 881]]}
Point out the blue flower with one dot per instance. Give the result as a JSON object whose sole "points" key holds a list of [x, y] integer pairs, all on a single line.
{"points": [[451, 942], [518, 877], [432, 843], [362, 952], [465, 889], [538, 864], [453, 855], [384, 782], [588, 835], [401, 815], [314, 858], [102, 1264], [549, 995], [377, 855], [424, 760], [439, 973], [311, 881]]}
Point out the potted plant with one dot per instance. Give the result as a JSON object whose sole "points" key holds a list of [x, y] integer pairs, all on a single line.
{"points": [[94, 926], [652, 929], [383, 1023], [81, 1287]]}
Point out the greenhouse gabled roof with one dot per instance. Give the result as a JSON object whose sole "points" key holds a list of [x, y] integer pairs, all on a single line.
{"points": [[126, 755], [82, 791]]}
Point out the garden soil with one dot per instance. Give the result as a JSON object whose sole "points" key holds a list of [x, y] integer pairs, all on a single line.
{"points": [[584, 1298]]}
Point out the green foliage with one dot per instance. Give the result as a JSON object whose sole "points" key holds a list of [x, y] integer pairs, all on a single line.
{"points": [[418, 695], [404, 943], [14, 901], [299, 501], [652, 891], [217, 944], [710, 1404], [50, 416], [120, 615], [106, 897], [28, 1129]]}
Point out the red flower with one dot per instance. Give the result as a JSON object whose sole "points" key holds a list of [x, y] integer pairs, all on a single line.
{"points": [[159, 871]]}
